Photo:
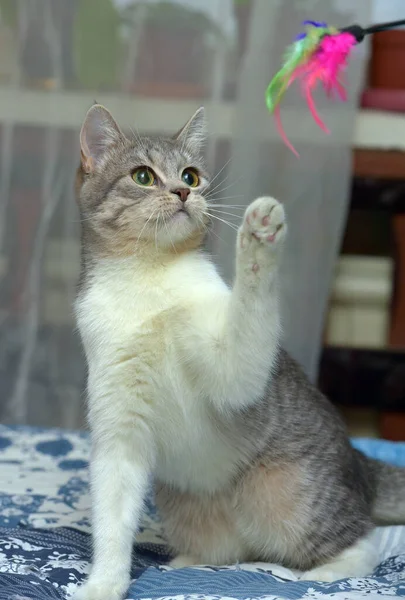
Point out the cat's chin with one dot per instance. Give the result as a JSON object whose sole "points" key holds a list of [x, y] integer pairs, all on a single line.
{"points": [[181, 232], [181, 225]]}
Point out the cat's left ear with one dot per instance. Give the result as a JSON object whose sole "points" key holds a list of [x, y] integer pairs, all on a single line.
{"points": [[194, 132], [99, 134]]}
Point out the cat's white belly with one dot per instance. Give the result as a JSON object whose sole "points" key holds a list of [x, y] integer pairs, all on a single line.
{"points": [[192, 455]]}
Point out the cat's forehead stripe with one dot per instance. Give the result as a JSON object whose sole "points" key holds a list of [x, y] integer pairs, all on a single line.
{"points": [[164, 158]]}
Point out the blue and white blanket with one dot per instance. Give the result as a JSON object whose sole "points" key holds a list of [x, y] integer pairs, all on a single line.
{"points": [[45, 535]]}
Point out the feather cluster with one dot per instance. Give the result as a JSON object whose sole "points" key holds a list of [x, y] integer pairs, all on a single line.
{"points": [[318, 56]]}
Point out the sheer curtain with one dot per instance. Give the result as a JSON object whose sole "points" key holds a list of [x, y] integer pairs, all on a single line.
{"points": [[315, 188], [152, 64]]}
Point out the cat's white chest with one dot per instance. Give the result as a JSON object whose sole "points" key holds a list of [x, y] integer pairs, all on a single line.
{"points": [[131, 329]]}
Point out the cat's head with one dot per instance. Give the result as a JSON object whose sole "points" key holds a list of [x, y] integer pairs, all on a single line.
{"points": [[141, 192]]}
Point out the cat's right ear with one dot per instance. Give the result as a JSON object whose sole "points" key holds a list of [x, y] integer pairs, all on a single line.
{"points": [[98, 134], [194, 132]]}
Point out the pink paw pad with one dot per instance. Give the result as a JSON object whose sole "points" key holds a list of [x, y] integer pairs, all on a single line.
{"points": [[265, 221], [255, 268]]}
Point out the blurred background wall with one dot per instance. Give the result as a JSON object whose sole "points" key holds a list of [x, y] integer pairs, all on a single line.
{"points": [[152, 64]]}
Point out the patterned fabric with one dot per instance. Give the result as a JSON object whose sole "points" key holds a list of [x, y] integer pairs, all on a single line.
{"points": [[45, 544]]}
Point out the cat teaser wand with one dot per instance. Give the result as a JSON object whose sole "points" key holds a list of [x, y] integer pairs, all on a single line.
{"points": [[318, 55]]}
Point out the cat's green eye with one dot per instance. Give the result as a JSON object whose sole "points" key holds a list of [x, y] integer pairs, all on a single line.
{"points": [[144, 176], [190, 177]]}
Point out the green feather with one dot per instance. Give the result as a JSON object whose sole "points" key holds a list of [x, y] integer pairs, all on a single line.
{"points": [[296, 55], [278, 84]]}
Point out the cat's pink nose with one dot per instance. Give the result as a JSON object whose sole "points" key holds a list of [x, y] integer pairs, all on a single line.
{"points": [[182, 193]]}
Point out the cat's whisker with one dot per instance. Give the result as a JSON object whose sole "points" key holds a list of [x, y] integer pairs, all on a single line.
{"points": [[212, 191], [223, 212], [225, 179], [215, 209], [218, 184], [143, 228], [236, 181], [231, 225], [219, 204], [202, 226], [215, 200], [218, 236], [169, 234], [221, 170], [238, 206], [222, 207], [156, 232]]}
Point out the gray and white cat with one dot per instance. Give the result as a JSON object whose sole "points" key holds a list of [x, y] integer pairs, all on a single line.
{"points": [[188, 383]]}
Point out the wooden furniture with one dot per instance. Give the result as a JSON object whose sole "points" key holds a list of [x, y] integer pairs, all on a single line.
{"points": [[379, 154]]}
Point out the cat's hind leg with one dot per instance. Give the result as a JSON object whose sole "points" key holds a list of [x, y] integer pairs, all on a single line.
{"points": [[200, 529], [182, 561]]}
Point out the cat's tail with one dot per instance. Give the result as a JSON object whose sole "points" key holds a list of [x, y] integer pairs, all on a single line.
{"points": [[389, 493]]}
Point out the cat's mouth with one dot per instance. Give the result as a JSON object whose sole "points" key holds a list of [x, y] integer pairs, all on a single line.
{"points": [[181, 213]]}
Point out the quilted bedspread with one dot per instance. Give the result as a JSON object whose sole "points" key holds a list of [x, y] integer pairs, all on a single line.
{"points": [[45, 543]]}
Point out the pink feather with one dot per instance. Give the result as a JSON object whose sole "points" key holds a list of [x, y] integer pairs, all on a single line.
{"points": [[326, 65], [281, 131]]}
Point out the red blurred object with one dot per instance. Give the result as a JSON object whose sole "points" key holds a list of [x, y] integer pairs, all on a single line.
{"points": [[387, 69], [386, 89], [382, 99]]}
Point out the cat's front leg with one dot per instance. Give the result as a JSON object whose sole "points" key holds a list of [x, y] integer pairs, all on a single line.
{"points": [[119, 470], [252, 330]]}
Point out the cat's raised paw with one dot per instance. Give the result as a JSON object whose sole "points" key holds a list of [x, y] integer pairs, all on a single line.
{"points": [[264, 221]]}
